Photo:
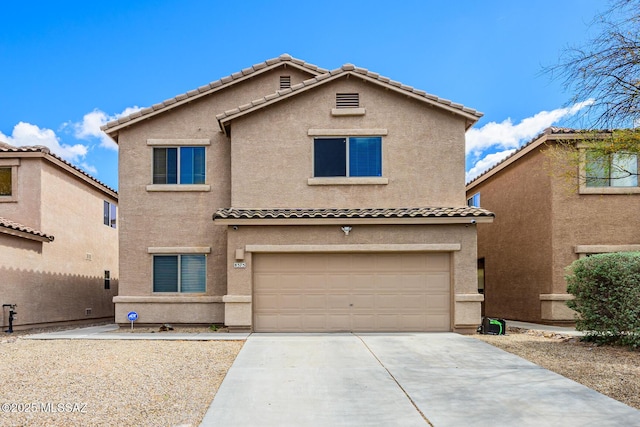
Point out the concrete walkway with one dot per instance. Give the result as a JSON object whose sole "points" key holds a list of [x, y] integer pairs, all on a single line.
{"points": [[105, 332], [400, 379]]}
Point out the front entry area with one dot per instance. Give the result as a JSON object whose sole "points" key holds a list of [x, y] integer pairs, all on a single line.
{"points": [[360, 292]]}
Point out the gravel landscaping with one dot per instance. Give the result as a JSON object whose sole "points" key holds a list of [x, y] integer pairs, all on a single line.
{"points": [[172, 383], [107, 383], [613, 371]]}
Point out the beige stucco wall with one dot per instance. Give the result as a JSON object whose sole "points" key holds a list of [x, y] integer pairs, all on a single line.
{"points": [[423, 151], [465, 301], [540, 219], [53, 281], [27, 206], [517, 246], [179, 219]]}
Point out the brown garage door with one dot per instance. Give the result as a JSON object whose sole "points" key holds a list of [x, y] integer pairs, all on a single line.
{"points": [[351, 292]]}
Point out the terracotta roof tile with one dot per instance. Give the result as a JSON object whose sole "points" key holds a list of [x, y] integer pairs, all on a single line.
{"points": [[213, 85], [6, 148], [6, 223], [279, 213]]}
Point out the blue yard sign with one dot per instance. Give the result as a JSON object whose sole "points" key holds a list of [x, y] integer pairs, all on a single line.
{"points": [[132, 316]]}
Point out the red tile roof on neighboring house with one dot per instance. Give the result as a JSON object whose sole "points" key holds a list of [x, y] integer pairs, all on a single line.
{"points": [[210, 88], [6, 225], [351, 69], [426, 212], [7, 148]]}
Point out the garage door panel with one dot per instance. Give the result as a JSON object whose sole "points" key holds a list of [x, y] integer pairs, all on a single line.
{"points": [[361, 301], [438, 282], [313, 302], [336, 283], [351, 292], [338, 301], [438, 262]]}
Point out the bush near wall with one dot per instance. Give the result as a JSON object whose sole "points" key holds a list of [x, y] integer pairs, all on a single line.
{"points": [[607, 297]]}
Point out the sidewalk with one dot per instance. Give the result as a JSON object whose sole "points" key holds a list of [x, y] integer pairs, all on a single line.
{"points": [[546, 328], [104, 332]]}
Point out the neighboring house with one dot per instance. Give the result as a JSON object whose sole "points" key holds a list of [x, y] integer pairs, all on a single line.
{"points": [[337, 200], [58, 242], [543, 223]]}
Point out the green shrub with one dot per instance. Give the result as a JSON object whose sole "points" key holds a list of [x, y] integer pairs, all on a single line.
{"points": [[607, 297]]}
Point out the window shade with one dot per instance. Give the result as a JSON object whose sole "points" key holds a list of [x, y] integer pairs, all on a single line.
{"points": [[193, 273], [165, 273], [365, 156]]}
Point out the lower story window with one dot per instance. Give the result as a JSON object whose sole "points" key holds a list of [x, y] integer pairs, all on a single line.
{"points": [[179, 273]]}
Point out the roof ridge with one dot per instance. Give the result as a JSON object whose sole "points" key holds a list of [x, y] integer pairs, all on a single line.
{"points": [[47, 151], [214, 85]]}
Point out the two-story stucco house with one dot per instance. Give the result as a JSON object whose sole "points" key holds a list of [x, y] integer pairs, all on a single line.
{"points": [[58, 240], [543, 223], [286, 197]]}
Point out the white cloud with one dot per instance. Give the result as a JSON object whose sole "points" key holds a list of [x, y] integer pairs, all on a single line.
{"points": [[487, 162], [506, 135], [28, 134], [89, 128]]}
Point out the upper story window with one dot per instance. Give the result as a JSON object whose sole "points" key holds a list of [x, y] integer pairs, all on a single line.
{"points": [[9, 180], [474, 201], [614, 170], [109, 214], [347, 157], [285, 82], [6, 188], [179, 273], [178, 165]]}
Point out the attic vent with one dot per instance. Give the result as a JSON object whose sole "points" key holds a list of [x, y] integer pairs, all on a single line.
{"points": [[347, 100], [285, 82]]}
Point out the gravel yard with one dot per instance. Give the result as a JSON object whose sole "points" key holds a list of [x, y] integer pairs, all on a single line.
{"points": [[613, 371], [172, 383], [107, 383]]}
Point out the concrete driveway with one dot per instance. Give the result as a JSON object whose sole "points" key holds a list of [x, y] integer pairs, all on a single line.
{"points": [[410, 379]]}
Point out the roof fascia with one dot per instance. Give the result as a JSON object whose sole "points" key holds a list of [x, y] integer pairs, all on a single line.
{"points": [[25, 235], [113, 131], [353, 221]]}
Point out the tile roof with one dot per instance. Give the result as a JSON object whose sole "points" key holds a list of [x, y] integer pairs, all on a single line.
{"points": [[214, 86], [353, 70], [7, 148], [546, 134], [426, 212], [11, 225]]}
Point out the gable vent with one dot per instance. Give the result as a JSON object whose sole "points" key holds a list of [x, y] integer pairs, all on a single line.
{"points": [[285, 82], [347, 100]]}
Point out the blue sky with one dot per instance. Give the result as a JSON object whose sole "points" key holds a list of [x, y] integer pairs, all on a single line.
{"points": [[66, 67]]}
